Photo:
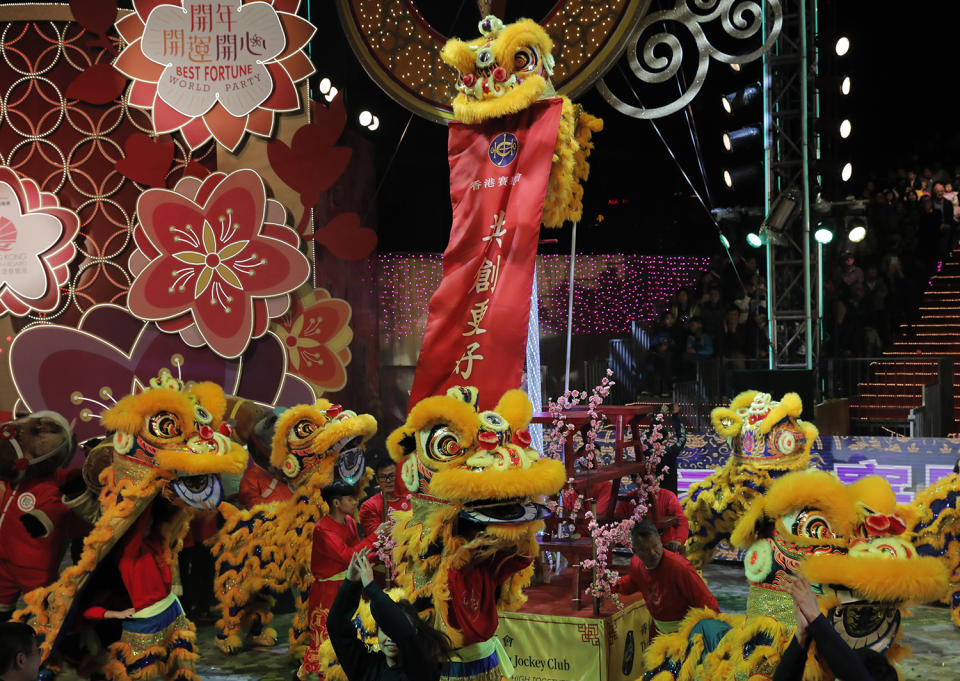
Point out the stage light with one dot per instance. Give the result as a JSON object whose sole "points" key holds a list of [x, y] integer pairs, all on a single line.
{"points": [[725, 241], [842, 46], [823, 235], [737, 140], [741, 98], [735, 68], [325, 86], [375, 124], [846, 127], [331, 94], [857, 234], [847, 172], [754, 240], [845, 85], [365, 118], [736, 178]]}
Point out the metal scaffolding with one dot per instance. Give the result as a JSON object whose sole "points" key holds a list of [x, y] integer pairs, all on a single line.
{"points": [[789, 98]]}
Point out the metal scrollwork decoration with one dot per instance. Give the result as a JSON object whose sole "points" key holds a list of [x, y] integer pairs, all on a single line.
{"points": [[740, 21]]}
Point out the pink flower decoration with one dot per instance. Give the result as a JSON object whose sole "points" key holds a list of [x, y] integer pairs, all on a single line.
{"points": [[36, 234], [214, 261], [316, 333]]}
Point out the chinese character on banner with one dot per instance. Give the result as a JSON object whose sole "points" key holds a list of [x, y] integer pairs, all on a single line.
{"points": [[487, 276], [469, 358], [222, 69], [497, 228], [476, 316]]}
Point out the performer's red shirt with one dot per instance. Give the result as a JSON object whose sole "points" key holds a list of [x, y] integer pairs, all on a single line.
{"points": [[472, 607], [144, 572], [670, 589], [665, 505], [371, 512], [41, 498], [333, 545], [257, 486]]}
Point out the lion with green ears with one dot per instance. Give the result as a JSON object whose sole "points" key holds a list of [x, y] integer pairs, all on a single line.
{"points": [[266, 550], [849, 542], [768, 440], [166, 451], [505, 71], [466, 547]]}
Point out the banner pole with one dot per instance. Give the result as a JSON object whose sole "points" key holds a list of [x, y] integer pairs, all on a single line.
{"points": [[573, 261]]}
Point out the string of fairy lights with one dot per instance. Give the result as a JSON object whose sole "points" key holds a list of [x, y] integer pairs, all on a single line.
{"points": [[610, 290]]}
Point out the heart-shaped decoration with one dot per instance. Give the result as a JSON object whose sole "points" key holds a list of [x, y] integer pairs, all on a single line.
{"points": [[345, 238], [116, 350], [146, 160]]}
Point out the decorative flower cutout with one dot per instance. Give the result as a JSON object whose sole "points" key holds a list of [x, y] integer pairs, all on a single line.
{"points": [[215, 69], [316, 333], [214, 261], [36, 246]]}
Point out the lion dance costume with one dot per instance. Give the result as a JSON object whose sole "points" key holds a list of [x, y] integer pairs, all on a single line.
{"points": [[168, 454], [768, 440], [267, 549], [465, 549], [847, 541]]}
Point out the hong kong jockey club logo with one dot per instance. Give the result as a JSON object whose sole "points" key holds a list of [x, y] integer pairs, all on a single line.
{"points": [[503, 149], [26, 502]]}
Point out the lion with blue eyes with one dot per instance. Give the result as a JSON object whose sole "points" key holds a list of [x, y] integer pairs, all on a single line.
{"points": [[768, 440]]}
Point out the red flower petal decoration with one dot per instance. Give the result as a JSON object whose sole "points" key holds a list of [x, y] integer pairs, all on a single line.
{"points": [[488, 441], [877, 524], [146, 160], [316, 333], [334, 410], [345, 238], [522, 438], [213, 260], [97, 84]]}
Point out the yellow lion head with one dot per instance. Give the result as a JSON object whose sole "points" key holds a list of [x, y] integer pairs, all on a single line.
{"points": [[324, 439], [479, 460], [503, 72], [764, 432], [174, 427]]}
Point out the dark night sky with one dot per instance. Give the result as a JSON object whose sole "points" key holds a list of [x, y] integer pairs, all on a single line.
{"points": [[903, 113]]}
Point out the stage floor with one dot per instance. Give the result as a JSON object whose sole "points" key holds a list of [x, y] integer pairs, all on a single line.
{"points": [[935, 642]]}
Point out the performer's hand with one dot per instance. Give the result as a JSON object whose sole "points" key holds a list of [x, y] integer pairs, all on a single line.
{"points": [[802, 593], [366, 570], [353, 570], [119, 614], [801, 633]]}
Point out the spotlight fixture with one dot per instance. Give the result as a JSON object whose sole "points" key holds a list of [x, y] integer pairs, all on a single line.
{"points": [[741, 98], [782, 212], [725, 241], [842, 46], [845, 86], [754, 240], [737, 178], [737, 140], [846, 127], [857, 234], [846, 172], [331, 94], [325, 86], [823, 235], [375, 124]]}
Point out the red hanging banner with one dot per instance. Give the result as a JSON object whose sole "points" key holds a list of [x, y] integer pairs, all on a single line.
{"points": [[477, 321]]}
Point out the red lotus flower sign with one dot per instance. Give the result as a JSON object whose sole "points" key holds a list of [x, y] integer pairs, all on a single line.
{"points": [[36, 246], [214, 260], [316, 334], [217, 68]]}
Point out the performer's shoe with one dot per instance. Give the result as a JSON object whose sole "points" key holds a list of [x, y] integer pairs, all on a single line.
{"points": [[229, 645]]}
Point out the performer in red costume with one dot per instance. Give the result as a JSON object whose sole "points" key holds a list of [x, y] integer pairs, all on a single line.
{"points": [[371, 510], [335, 540], [260, 484], [666, 514], [35, 514], [669, 583]]}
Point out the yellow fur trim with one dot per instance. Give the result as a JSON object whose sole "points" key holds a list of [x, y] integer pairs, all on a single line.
{"points": [[212, 398], [457, 53], [747, 530], [812, 488], [726, 421], [880, 578], [129, 414], [326, 436], [428, 412], [875, 493], [182, 461], [470, 111], [544, 477], [520, 33], [516, 408], [743, 400], [789, 405]]}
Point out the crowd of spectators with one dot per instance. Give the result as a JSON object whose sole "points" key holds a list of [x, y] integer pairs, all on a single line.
{"points": [[871, 287]]}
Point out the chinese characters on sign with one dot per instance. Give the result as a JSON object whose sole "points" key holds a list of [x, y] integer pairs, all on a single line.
{"points": [[214, 51]]}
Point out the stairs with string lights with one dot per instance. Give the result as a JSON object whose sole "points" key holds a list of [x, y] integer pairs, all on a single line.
{"points": [[896, 382]]}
